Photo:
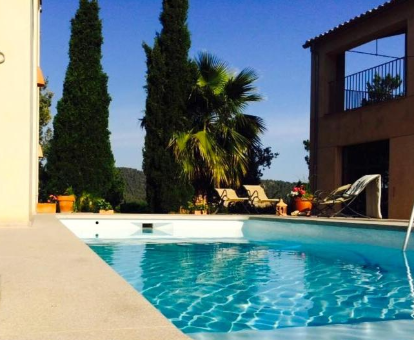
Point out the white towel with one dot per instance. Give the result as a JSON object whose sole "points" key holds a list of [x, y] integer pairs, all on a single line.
{"points": [[372, 183]]}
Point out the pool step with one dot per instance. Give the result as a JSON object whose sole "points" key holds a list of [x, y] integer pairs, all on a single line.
{"points": [[401, 330]]}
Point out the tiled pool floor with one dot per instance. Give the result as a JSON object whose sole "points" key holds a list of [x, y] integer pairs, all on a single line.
{"points": [[234, 287]]}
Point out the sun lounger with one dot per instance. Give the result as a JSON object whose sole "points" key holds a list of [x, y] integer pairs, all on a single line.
{"points": [[228, 197], [258, 197]]}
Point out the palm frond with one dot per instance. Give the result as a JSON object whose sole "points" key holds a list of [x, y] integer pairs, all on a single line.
{"points": [[217, 148], [241, 89], [249, 125], [213, 72]]}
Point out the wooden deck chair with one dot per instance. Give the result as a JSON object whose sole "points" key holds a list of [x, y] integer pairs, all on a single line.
{"points": [[344, 197], [258, 197], [228, 197]]}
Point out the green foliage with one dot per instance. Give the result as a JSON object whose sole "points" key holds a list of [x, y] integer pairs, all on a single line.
{"points": [[191, 206], [214, 151], [45, 135], [86, 202], [134, 208], [259, 159], [277, 189], [169, 80], [101, 204], [306, 145], [45, 116], [80, 153], [382, 88], [134, 190], [115, 194], [68, 191]]}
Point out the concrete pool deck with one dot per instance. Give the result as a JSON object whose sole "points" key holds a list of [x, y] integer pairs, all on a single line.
{"points": [[53, 287]]}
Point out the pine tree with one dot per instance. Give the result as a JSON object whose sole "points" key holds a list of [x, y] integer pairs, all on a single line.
{"points": [[170, 77], [80, 155]]}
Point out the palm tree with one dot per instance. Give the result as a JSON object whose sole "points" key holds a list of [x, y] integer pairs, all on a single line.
{"points": [[215, 150]]}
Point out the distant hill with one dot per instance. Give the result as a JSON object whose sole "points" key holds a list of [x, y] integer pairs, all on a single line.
{"points": [[135, 186], [277, 189]]}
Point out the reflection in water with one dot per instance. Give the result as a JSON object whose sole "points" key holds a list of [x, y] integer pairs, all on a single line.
{"points": [[410, 280], [357, 291], [203, 285], [409, 275], [225, 287]]}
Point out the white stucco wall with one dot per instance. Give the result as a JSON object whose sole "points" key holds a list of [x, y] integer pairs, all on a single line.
{"points": [[19, 42]]}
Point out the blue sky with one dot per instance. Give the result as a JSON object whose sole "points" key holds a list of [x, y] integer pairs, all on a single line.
{"points": [[266, 35]]}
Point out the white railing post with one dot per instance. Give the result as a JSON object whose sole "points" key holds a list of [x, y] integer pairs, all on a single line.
{"points": [[410, 227]]}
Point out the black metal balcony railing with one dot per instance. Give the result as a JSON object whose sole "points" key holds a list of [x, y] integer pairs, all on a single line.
{"points": [[378, 84]]}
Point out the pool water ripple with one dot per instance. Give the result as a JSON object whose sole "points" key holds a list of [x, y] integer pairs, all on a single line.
{"points": [[228, 287]]}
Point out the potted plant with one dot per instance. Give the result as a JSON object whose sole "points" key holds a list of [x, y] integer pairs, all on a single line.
{"points": [[197, 208], [184, 210], [302, 198], [67, 201], [104, 207], [200, 209], [86, 202], [48, 207]]}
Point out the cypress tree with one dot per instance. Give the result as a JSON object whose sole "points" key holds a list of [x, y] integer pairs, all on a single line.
{"points": [[80, 154], [170, 77]]}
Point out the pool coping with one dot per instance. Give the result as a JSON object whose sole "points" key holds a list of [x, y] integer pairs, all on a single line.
{"points": [[384, 224]]}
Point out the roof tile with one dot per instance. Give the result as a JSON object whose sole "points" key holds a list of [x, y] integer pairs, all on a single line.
{"points": [[385, 6]]}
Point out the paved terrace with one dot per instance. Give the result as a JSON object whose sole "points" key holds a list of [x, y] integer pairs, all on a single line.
{"points": [[53, 287]]}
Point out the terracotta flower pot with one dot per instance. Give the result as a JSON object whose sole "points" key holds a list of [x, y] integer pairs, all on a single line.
{"points": [[66, 203], [46, 208], [302, 204]]}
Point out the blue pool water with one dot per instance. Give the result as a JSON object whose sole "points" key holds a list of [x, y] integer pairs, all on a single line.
{"points": [[248, 285]]}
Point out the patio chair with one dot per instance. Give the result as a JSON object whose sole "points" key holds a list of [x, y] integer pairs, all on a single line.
{"points": [[228, 197], [345, 195], [325, 202], [258, 197]]}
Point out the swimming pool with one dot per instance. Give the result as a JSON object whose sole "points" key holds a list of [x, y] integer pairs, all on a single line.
{"points": [[274, 276]]}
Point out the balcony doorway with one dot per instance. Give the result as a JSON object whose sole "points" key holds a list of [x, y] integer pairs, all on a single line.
{"points": [[366, 159], [370, 73]]}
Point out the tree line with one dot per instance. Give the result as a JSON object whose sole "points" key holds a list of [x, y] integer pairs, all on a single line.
{"points": [[198, 134]]}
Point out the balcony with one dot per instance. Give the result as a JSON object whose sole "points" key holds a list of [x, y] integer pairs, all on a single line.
{"points": [[378, 84]]}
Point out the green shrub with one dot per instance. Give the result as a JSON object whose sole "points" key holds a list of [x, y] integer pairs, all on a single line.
{"points": [[101, 204], [86, 202], [134, 208]]}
